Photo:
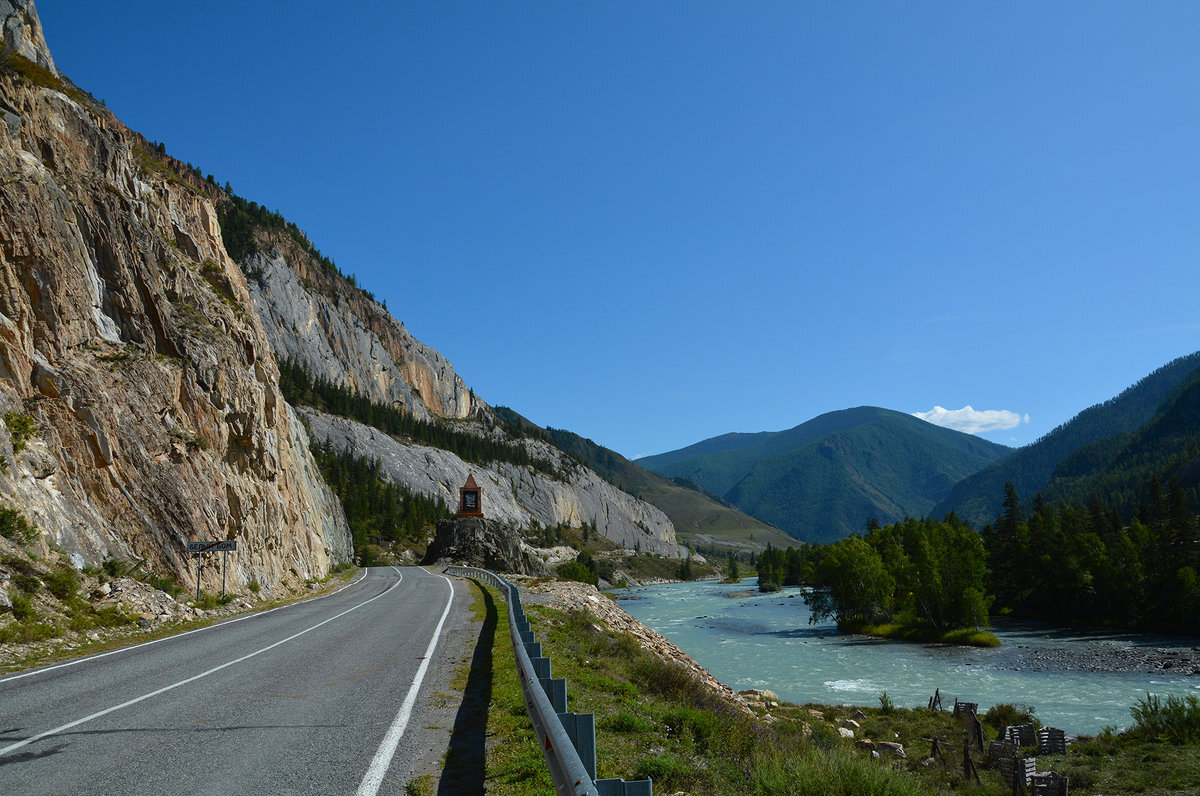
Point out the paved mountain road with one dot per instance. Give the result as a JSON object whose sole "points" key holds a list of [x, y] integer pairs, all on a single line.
{"points": [[309, 698]]}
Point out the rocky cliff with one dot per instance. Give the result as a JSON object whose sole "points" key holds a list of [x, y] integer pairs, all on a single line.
{"points": [[316, 319], [512, 494], [22, 32], [138, 387]]}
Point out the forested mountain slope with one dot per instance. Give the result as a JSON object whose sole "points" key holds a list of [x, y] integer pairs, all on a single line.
{"points": [[699, 517], [1121, 470], [825, 478], [979, 497]]}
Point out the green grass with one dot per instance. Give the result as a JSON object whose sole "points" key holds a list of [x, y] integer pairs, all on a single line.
{"points": [[655, 719], [968, 637]]}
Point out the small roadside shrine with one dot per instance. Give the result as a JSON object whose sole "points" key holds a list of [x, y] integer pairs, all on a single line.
{"points": [[469, 500]]}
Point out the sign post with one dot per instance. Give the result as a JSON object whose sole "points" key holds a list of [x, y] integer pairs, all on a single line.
{"points": [[200, 548]]}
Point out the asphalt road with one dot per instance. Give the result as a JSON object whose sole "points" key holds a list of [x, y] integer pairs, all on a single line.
{"points": [[338, 694]]}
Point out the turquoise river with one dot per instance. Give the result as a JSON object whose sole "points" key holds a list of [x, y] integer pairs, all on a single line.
{"points": [[1078, 681]]}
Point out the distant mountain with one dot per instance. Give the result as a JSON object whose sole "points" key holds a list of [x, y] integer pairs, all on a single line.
{"points": [[700, 518], [823, 479], [979, 498], [1121, 469]]}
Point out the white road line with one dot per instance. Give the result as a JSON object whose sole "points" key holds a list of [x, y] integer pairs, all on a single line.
{"points": [[255, 615], [387, 749], [164, 689]]}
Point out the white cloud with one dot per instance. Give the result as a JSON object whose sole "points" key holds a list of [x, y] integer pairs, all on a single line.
{"points": [[971, 420]]}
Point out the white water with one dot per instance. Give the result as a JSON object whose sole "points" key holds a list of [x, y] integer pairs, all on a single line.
{"points": [[765, 641]]}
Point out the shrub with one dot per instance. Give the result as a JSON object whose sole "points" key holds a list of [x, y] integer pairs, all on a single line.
{"points": [[1007, 714], [62, 583], [22, 608], [1175, 719], [885, 704], [14, 526], [573, 570], [21, 427]]}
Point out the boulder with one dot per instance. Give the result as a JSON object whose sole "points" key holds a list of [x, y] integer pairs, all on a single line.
{"points": [[480, 542], [889, 748]]}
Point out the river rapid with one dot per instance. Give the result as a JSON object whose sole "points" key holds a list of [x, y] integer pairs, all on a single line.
{"points": [[1078, 681]]}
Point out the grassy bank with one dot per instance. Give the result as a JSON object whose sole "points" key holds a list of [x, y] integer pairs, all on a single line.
{"points": [[970, 637], [655, 720]]}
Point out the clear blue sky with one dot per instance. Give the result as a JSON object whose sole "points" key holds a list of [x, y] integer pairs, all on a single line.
{"points": [[655, 222]]}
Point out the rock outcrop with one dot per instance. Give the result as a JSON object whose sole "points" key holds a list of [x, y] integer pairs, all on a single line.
{"points": [[23, 33], [476, 542], [138, 388], [337, 333], [516, 495]]}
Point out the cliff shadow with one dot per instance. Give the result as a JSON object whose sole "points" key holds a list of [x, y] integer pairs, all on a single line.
{"points": [[466, 756]]}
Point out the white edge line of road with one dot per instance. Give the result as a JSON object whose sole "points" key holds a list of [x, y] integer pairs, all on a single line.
{"points": [[173, 636], [213, 670], [387, 748]]}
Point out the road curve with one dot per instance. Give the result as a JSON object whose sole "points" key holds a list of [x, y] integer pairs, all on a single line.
{"points": [[328, 696]]}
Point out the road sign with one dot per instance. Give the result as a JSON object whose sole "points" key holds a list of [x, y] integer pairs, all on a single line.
{"points": [[212, 547]]}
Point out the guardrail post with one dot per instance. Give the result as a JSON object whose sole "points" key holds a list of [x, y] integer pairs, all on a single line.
{"points": [[619, 787], [541, 667], [556, 690], [581, 729]]}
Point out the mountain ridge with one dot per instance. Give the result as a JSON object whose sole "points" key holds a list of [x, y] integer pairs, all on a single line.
{"points": [[979, 498], [820, 480]]}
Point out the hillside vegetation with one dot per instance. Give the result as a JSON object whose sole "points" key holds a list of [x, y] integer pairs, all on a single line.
{"points": [[823, 480], [979, 497], [699, 517]]}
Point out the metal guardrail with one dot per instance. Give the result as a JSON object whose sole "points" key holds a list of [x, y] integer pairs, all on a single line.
{"points": [[568, 740]]}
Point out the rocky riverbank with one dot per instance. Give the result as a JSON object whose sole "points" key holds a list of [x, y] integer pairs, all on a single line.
{"points": [[572, 596]]}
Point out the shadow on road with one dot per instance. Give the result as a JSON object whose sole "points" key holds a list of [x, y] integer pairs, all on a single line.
{"points": [[464, 770]]}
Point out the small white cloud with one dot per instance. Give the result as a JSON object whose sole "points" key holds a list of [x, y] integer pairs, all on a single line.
{"points": [[972, 421]]}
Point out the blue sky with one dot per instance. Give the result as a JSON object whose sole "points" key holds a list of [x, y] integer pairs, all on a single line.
{"points": [[655, 222]]}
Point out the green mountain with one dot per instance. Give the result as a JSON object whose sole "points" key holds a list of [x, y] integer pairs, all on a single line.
{"points": [[823, 479], [979, 498], [1120, 470], [699, 517]]}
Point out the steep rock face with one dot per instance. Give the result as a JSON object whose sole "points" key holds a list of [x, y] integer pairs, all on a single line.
{"points": [[129, 339], [512, 494], [23, 32], [339, 334]]}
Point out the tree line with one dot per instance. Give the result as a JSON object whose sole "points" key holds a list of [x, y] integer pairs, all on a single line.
{"points": [[1085, 564], [378, 511], [1075, 564], [301, 387]]}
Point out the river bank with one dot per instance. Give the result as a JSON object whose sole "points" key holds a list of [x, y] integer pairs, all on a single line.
{"points": [[686, 741], [1080, 681]]}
